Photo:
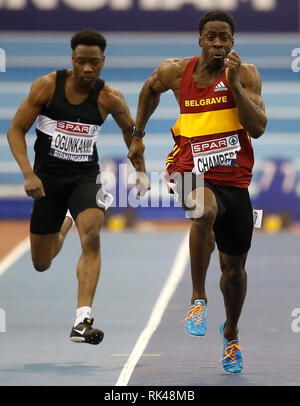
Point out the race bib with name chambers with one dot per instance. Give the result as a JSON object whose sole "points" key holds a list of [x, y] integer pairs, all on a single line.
{"points": [[74, 141], [212, 153]]}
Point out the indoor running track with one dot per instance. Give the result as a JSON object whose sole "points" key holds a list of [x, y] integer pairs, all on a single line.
{"points": [[144, 292]]}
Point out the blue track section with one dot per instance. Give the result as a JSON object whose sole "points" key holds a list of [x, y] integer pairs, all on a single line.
{"points": [[40, 310]]}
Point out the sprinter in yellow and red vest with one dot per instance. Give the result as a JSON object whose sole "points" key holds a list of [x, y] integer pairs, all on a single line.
{"points": [[210, 166]]}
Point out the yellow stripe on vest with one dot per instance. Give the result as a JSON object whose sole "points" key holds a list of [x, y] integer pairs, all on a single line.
{"points": [[209, 122]]}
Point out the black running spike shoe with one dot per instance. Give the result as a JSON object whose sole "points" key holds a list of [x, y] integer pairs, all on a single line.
{"points": [[85, 333]]}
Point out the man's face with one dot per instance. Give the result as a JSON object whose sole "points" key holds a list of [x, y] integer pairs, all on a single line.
{"points": [[88, 61], [216, 42]]}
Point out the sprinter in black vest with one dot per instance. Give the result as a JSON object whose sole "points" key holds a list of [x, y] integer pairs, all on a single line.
{"points": [[70, 106]]}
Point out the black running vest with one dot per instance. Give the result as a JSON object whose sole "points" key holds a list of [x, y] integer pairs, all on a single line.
{"points": [[67, 133]]}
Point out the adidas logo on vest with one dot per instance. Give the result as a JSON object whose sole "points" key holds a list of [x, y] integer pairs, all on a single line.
{"points": [[220, 87]]}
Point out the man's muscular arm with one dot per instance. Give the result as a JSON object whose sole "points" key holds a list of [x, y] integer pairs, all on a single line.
{"points": [[40, 94], [113, 102], [149, 96], [160, 81], [245, 84]]}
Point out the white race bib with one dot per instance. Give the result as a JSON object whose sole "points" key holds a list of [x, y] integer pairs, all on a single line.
{"points": [[212, 153], [74, 141]]}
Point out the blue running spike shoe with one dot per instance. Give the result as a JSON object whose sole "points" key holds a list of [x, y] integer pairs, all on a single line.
{"points": [[232, 360], [196, 319]]}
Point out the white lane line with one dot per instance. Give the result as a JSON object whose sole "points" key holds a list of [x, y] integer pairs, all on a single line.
{"points": [[16, 253], [169, 288]]}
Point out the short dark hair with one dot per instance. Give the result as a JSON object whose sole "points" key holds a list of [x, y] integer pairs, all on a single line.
{"points": [[88, 37], [217, 15]]}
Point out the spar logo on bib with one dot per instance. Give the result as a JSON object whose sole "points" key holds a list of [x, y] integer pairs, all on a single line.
{"points": [[203, 148], [76, 128], [218, 152]]}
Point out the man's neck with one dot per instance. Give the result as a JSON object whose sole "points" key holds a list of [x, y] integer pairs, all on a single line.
{"points": [[205, 74]]}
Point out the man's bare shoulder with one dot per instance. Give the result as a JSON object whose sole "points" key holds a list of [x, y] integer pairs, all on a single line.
{"points": [[45, 81], [249, 68], [249, 75], [172, 68], [43, 87], [110, 90], [111, 98], [175, 63]]}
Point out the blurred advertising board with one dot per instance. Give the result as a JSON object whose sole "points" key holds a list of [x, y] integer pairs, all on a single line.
{"points": [[145, 15]]}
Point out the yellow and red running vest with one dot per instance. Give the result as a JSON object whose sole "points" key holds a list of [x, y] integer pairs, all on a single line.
{"points": [[208, 136]]}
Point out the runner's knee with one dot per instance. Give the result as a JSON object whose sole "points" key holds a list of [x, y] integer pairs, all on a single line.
{"points": [[234, 270], [91, 239], [206, 217]]}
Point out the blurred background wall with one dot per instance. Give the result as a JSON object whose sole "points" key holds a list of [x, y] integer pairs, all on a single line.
{"points": [[34, 40]]}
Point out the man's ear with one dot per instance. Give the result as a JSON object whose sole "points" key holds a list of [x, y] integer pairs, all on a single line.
{"points": [[200, 42]]}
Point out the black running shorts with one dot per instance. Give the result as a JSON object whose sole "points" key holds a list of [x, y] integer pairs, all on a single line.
{"points": [[233, 227], [69, 191]]}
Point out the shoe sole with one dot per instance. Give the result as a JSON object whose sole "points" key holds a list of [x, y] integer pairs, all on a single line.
{"points": [[195, 335], [77, 339], [232, 373], [95, 339]]}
